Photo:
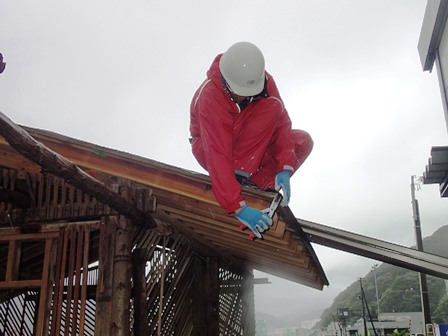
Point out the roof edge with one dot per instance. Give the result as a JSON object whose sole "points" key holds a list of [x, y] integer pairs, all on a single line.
{"points": [[433, 25]]}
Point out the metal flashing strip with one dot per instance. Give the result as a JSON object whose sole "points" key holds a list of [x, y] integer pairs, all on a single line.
{"points": [[390, 253]]}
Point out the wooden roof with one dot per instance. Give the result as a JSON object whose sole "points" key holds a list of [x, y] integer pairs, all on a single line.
{"points": [[186, 202]]}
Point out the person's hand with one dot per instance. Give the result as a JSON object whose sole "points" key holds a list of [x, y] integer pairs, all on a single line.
{"points": [[254, 219], [282, 182]]}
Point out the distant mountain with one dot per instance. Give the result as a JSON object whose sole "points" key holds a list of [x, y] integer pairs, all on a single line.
{"points": [[398, 288], [292, 320], [297, 319], [271, 320]]}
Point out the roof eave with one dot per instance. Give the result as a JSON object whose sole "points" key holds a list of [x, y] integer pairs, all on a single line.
{"points": [[434, 22]]}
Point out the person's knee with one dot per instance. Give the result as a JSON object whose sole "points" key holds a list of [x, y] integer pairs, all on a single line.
{"points": [[303, 142], [309, 142]]}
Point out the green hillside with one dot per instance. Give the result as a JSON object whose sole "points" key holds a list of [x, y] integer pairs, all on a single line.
{"points": [[398, 288]]}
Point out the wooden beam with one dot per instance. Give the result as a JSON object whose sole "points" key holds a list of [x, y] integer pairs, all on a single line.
{"points": [[71, 268], [248, 303], [212, 291], [19, 284], [58, 165], [200, 298], [45, 291], [85, 271], [27, 236], [104, 290], [59, 277], [141, 324], [12, 266], [76, 294], [122, 273]]}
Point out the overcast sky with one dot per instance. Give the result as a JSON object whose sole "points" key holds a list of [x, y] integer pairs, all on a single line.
{"points": [[121, 74]]}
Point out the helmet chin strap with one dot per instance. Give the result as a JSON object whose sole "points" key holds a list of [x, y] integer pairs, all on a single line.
{"points": [[228, 90], [242, 103]]}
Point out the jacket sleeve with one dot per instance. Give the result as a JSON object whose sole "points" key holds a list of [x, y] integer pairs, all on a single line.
{"points": [[216, 128], [283, 145]]}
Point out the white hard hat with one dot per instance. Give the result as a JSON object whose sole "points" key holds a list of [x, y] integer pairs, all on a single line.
{"points": [[242, 67]]}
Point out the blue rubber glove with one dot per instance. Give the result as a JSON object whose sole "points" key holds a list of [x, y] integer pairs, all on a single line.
{"points": [[254, 219], [282, 182]]}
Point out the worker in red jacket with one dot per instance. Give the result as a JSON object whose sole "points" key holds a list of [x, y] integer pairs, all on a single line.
{"points": [[241, 133]]}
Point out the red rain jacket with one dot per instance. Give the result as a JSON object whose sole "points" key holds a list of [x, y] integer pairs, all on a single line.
{"points": [[214, 122]]}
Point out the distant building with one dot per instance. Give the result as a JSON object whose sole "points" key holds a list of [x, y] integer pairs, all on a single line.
{"points": [[296, 331], [260, 328], [433, 50], [334, 329], [437, 329], [412, 323], [433, 45]]}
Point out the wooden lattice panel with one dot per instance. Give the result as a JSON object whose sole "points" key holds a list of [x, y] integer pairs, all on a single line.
{"points": [[181, 285], [55, 265], [236, 305], [69, 314], [43, 197], [18, 311]]}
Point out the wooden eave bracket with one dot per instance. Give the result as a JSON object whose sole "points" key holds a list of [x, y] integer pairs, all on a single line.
{"points": [[58, 165]]}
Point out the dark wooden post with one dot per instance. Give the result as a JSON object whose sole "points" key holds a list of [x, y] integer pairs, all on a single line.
{"points": [[248, 303], [199, 296], [45, 297], [105, 275], [206, 297], [212, 293], [141, 325], [121, 295], [114, 278]]}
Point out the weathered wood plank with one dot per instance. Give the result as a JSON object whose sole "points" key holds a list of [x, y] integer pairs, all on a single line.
{"points": [[76, 293], [28, 236], [122, 268], [45, 292], [20, 284], [85, 270], [71, 269], [13, 261], [212, 292], [105, 275], [59, 282]]}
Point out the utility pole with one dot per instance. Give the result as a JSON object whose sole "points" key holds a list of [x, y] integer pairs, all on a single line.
{"points": [[446, 285], [374, 267], [363, 308], [418, 236]]}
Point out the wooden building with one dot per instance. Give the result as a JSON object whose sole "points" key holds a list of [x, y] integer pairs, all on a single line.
{"points": [[98, 241]]}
